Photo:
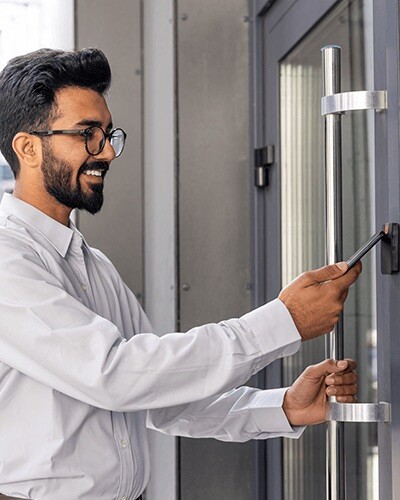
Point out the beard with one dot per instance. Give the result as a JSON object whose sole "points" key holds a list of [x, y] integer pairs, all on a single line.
{"points": [[58, 181]]}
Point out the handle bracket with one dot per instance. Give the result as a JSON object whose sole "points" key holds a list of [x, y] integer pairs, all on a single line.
{"points": [[359, 412], [354, 101]]}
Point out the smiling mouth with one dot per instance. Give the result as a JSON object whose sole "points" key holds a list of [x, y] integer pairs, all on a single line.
{"points": [[94, 173], [95, 170]]}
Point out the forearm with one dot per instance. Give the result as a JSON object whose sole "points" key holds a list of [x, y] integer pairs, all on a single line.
{"points": [[239, 415]]}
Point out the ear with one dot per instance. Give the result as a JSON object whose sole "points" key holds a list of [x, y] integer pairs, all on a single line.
{"points": [[28, 149]]}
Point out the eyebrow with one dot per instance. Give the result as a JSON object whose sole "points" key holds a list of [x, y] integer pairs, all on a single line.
{"points": [[92, 123]]}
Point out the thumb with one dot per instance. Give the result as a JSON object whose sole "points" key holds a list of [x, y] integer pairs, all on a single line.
{"points": [[326, 273], [333, 366], [328, 366]]}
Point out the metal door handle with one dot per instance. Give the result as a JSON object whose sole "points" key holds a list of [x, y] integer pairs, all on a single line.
{"points": [[334, 104]]}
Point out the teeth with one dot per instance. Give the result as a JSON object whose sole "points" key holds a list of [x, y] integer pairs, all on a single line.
{"points": [[97, 173]]}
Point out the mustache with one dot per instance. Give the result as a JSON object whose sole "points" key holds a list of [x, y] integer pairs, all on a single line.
{"points": [[95, 165]]}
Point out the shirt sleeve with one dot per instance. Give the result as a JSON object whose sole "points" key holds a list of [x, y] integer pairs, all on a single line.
{"points": [[238, 415], [52, 337]]}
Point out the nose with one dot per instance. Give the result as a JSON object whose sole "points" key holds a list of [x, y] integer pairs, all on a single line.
{"points": [[108, 153]]}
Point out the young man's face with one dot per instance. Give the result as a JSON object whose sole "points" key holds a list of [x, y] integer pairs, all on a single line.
{"points": [[70, 173]]}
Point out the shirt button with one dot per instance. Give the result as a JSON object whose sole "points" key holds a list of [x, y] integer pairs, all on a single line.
{"points": [[123, 498], [84, 286], [123, 443]]}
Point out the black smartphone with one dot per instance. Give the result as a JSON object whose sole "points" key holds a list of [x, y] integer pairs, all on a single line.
{"points": [[365, 248]]}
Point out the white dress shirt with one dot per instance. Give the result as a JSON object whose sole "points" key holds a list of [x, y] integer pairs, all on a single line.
{"points": [[81, 372]]}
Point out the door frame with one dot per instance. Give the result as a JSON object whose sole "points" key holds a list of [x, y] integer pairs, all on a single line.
{"points": [[387, 154], [387, 194]]}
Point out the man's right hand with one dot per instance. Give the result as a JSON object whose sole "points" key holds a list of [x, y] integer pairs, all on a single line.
{"points": [[315, 299]]}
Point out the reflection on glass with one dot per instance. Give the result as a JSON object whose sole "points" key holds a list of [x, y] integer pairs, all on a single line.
{"points": [[303, 234]]}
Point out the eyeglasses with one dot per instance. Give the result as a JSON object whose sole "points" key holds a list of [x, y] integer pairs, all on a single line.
{"points": [[95, 138]]}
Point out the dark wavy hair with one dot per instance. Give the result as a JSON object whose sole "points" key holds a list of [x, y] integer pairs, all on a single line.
{"points": [[28, 85]]}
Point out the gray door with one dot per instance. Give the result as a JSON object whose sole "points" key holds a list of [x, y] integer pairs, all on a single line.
{"points": [[290, 219]]}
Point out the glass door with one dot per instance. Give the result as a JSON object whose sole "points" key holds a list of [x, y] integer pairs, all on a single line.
{"points": [[303, 235], [290, 221]]}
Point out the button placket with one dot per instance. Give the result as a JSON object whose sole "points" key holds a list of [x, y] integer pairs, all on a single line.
{"points": [[121, 434]]}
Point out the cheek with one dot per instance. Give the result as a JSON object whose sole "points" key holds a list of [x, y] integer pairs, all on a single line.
{"points": [[76, 162], [70, 157], [71, 152]]}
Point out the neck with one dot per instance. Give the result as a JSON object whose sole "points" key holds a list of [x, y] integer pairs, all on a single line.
{"points": [[45, 203]]}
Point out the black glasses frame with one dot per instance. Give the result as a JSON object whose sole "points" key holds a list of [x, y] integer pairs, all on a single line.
{"points": [[86, 134]]}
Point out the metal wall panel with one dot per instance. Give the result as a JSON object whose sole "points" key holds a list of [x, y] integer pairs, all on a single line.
{"points": [[214, 208], [115, 28]]}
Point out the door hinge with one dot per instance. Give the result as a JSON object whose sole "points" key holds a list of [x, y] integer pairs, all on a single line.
{"points": [[264, 158]]}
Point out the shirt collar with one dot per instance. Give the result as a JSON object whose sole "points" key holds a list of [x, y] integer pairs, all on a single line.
{"points": [[58, 235]]}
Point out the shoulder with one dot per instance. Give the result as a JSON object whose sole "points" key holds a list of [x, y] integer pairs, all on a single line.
{"points": [[14, 236], [17, 247]]}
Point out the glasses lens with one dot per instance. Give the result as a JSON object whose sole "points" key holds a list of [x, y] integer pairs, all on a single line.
{"points": [[95, 140], [117, 141]]}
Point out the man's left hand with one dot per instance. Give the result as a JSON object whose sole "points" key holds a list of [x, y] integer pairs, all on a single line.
{"points": [[305, 401]]}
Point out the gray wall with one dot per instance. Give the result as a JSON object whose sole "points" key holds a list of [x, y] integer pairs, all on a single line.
{"points": [[115, 27], [214, 209]]}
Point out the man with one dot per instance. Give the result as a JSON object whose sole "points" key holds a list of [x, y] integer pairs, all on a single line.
{"points": [[81, 374]]}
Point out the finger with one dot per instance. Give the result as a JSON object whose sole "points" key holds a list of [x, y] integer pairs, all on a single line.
{"points": [[342, 379], [323, 274], [346, 399], [342, 390]]}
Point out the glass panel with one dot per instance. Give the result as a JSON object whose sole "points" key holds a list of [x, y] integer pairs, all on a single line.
{"points": [[303, 233]]}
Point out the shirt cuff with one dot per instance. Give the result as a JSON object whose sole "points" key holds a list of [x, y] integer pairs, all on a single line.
{"points": [[273, 326], [269, 416]]}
